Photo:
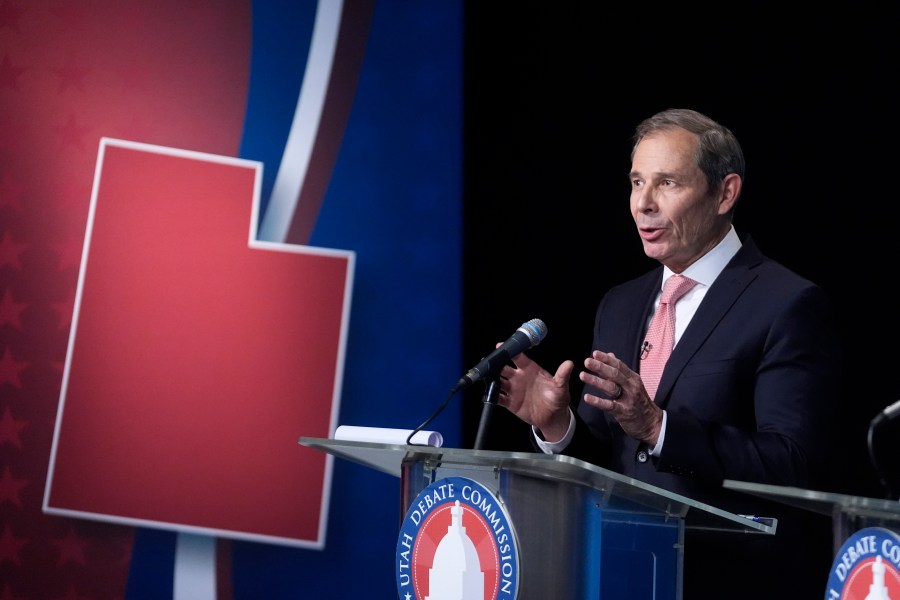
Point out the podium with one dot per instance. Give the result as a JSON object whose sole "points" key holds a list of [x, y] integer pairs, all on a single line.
{"points": [[583, 532], [848, 513]]}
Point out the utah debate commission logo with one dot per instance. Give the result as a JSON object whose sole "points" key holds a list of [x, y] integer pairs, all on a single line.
{"points": [[867, 567], [457, 542]]}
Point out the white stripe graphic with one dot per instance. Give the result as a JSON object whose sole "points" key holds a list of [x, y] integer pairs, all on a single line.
{"points": [[195, 567], [298, 148]]}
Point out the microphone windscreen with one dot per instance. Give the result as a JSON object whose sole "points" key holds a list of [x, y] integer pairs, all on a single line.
{"points": [[535, 329]]}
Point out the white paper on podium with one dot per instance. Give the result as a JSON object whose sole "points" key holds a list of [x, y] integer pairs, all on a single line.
{"points": [[386, 435]]}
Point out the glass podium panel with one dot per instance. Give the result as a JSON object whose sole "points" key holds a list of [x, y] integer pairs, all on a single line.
{"points": [[848, 513], [583, 532], [617, 492]]}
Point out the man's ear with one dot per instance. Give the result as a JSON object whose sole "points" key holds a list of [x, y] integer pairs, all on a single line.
{"points": [[731, 189]]}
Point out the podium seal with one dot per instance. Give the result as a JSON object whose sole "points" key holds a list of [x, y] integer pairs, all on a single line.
{"points": [[867, 567], [457, 541]]}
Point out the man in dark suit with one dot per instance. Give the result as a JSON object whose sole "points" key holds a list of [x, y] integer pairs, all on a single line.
{"points": [[749, 392]]}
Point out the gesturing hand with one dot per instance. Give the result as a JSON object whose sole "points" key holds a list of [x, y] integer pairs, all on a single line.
{"points": [[627, 401], [537, 397]]}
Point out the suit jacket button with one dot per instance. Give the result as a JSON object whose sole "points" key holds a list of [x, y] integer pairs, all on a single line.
{"points": [[642, 456]]}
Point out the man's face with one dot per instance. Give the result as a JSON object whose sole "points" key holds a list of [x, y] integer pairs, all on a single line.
{"points": [[677, 216]]}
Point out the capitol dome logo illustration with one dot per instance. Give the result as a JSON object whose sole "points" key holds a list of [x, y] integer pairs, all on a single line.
{"points": [[457, 543], [867, 567]]}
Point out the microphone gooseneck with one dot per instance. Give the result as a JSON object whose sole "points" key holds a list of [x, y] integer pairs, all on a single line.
{"points": [[527, 336], [875, 425]]}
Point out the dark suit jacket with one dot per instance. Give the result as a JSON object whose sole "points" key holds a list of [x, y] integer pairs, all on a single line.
{"points": [[750, 392]]}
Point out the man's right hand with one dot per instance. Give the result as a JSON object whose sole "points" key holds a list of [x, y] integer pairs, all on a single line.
{"points": [[537, 397]]}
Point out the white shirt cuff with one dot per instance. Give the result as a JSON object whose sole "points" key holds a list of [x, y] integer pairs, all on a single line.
{"points": [[556, 447], [657, 449]]}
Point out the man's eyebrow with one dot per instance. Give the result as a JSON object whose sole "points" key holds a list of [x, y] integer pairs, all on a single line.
{"points": [[655, 175]]}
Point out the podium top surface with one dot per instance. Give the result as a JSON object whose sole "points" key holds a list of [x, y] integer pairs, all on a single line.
{"points": [[826, 503], [619, 491]]}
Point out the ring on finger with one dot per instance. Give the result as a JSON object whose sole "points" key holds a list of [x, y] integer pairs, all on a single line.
{"points": [[618, 393]]}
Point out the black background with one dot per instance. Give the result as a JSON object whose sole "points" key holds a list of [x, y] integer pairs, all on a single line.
{"points": [[552, 95]]}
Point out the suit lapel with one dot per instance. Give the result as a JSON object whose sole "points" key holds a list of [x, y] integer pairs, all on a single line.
{"points": [[720, 298]]}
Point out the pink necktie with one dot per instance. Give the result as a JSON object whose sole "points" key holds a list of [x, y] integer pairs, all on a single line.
{"points": [[661, 333]]}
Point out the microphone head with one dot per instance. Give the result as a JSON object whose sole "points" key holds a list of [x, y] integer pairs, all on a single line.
{"points": [[535, 329]]}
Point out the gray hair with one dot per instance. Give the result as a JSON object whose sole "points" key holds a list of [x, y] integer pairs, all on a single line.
{"points": [[718, 153]]}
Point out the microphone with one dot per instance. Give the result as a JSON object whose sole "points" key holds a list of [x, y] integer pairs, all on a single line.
{"points": [[527, 336], [887, 414]]}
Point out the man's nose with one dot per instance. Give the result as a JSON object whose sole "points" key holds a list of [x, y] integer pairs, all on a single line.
{"points": [[644, 199]]}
